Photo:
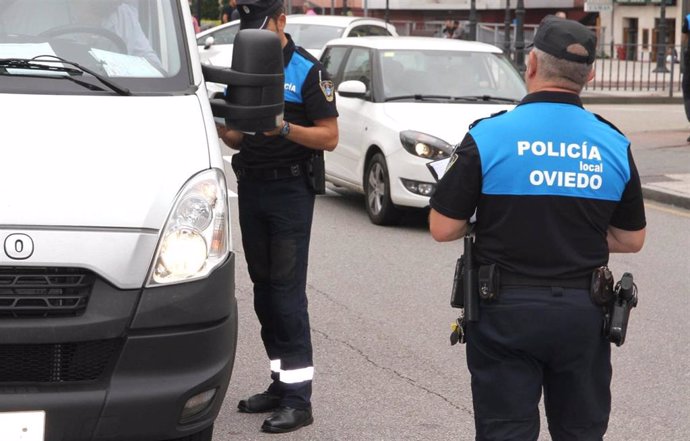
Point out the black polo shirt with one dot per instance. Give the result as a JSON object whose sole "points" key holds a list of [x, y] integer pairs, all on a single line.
{"points": [[309, 96], [546, 179]]}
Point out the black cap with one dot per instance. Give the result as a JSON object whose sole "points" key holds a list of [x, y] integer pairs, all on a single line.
{"points": [[554, 36], [254, 14]]}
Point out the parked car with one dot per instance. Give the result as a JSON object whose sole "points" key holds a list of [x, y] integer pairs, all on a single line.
{"points": [[404, 102], [311, 32]]}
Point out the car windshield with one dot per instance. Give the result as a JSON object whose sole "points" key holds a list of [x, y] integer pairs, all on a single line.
{"points": [[311, 36], [135, 44], [458, 75]]}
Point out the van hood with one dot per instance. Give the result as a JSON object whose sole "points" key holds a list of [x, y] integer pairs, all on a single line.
{"points": [[448, 121], [97, 161]]}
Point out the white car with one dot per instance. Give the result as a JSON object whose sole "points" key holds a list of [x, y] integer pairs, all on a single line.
{"points": [[311, 32], [404, 102]]}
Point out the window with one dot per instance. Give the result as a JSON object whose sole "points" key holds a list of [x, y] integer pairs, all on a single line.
{"points": [[368, 30], [222, 36], [358, 66], [448, 73], [333, 59], [138, 42]]}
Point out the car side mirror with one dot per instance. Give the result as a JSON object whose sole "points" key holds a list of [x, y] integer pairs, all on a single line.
{"points": [[209, 42], [352, 89], [254, 100]]}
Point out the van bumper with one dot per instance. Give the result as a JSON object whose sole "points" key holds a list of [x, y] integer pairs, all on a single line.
{"points": [[164, 345]]}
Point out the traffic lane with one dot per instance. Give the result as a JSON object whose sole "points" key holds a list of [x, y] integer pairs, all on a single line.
{"points": [[380, 317], [650, 381], [378, 371]]}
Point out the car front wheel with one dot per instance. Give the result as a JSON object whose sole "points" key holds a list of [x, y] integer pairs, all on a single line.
{"points": [[380, 208]]}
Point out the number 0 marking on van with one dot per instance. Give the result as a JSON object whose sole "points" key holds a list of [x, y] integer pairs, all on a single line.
{"points": [[19, 246]]}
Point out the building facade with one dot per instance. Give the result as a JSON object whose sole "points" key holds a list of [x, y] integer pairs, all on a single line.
{"points": [[619, 23]]}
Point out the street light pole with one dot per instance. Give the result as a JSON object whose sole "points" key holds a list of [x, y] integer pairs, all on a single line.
{"points": [[520, 36], [473, 20], [506, 30], [661, 44]]}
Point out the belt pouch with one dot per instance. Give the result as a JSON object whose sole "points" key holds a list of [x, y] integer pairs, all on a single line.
{"points": [[489, 280], [457, 295], [316, 173]]}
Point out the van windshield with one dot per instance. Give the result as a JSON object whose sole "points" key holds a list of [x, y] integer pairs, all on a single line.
{"points": [[136, 44]]}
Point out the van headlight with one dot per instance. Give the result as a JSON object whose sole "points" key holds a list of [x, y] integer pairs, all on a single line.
{"points": [[195, 238], [425, 146]]}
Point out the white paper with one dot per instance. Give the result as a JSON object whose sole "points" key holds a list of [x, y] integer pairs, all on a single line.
{"points": [[438, 168], [28, 51], [25, 50], [120, 65]]}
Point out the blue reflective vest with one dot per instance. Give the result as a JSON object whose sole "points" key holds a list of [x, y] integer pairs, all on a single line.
{"points": [[575, 155]]}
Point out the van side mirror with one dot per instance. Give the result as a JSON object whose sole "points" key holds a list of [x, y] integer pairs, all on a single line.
{"points": [[209, 42], [254, 99]]}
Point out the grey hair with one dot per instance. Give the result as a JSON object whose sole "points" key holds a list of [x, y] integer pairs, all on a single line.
{"points": [[563, 73]]}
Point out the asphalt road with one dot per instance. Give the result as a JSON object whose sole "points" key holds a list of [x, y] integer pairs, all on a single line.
{"points": [[381, 320]]}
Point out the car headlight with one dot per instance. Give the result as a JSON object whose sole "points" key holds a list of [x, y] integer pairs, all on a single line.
{"points": [[425, 146], [195, 238]]}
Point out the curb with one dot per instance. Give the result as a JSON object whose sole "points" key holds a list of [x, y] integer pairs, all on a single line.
{"points": [[666, 198], [591, 99]]}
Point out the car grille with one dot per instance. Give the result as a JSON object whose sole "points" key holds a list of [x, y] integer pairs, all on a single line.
{"points": [[56, 363], [44, 292]]}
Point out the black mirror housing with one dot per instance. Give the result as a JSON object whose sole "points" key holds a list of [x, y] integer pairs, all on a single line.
{"points": [[254, 99]]}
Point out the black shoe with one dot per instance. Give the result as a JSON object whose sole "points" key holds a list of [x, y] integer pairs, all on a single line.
{"points": [[688, 140], [263, 402], [287, 419]]}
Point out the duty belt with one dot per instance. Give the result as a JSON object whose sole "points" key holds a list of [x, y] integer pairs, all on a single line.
{"points": [[269, 173], [513, 279]]}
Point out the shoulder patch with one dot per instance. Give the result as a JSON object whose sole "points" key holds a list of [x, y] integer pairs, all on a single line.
{"points": [[488, 117], [327, 88]]}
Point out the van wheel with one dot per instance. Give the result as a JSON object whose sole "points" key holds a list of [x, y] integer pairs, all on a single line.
{"points": [[377, 193]]}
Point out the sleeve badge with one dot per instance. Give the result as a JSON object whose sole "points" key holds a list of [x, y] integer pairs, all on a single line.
{"points": [[327, 89]]}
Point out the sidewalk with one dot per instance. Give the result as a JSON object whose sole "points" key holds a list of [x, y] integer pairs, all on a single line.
{"points": [[658, 131], [663, 161]]}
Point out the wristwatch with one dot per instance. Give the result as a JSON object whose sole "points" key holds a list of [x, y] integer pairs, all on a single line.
{"points": [[285, 130]]}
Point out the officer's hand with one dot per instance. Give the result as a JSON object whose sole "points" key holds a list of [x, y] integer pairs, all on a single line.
{"points": [[274, 132], [221, 129]]}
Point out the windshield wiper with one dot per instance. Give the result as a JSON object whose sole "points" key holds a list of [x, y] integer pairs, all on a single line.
{"points": [[486, 98], [420, 97], [36, 63]]}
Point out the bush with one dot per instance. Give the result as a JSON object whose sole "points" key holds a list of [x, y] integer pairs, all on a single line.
{"points": [[210, 9]]}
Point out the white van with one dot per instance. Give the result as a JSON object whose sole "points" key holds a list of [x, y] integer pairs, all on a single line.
{"points": [[118, 318]]}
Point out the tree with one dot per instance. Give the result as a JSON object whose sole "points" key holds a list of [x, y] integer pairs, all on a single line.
{"points": [[210, 9]]}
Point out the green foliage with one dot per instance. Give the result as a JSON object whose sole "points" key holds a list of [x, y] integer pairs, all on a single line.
{"points": [[210, 9]]}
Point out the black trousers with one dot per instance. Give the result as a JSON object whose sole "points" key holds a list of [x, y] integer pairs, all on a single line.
{"points": [[275, 219], [534, 339], [685, 87]]}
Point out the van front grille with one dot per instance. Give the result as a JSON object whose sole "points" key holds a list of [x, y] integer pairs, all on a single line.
{"points": [[29, 292], [56, 363]]}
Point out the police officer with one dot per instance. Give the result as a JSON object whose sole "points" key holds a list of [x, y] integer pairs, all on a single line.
{"points": [[556, 190], [276, 205], [686, 67]]}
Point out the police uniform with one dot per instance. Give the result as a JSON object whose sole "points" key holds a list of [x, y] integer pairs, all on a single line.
{"points": [[546, 180], [275, 209], [686, 67]]}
